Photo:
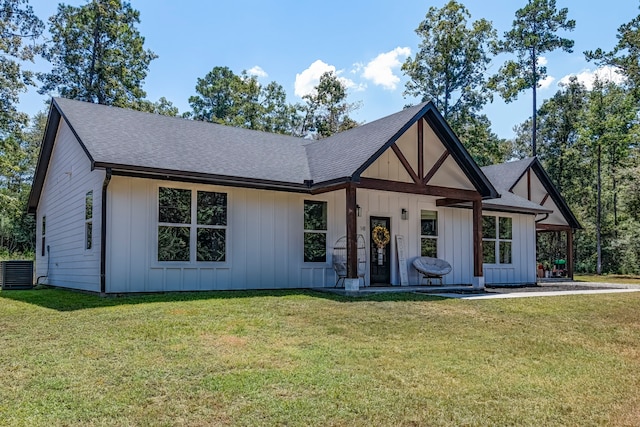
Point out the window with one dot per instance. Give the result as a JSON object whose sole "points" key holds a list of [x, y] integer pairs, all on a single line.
{"points": [[212, 226], [88, 220], [497, 235], [429, 233], [315, 231], [178, 227], [44, 229]]}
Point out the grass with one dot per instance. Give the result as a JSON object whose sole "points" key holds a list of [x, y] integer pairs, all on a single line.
{"points": [[624, 279], [301, 358]]}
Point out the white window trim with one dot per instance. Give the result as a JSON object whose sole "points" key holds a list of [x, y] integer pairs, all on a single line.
{"points": [[496, 240]]}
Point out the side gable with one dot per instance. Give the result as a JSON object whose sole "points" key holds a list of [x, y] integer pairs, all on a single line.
{"points": [[554, 197], [46, 150], [528, 179]]}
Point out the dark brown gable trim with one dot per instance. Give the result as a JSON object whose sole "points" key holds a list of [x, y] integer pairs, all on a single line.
{"points": [[552, 227], [462, 157], [53, 121], [435, 167], [421, 147], [555, 195], [544, 199], [200, 178], [428, 190], [405, 163], [449, 202]]}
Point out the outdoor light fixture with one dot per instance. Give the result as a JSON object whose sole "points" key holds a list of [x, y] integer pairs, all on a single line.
{"points": [[358, 210], [405, 214]]}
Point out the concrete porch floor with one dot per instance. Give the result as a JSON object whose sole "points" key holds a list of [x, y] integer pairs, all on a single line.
{"points": [[427, 289]]}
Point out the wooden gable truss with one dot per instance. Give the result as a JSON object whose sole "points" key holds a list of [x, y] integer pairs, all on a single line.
{"points": [[420, 177]]}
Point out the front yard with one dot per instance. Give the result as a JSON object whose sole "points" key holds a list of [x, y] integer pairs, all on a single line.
{"points": [[301, 358]]}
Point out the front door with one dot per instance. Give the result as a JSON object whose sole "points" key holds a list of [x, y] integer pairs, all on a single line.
{"points": [[380, 257]]}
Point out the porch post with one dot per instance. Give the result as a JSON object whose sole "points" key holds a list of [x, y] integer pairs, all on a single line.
{"points": [[569, 232], [352, 282], [478, 278]]}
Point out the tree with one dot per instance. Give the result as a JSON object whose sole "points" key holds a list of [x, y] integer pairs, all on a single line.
{"points": [[533, 33], [450, 65], [625, 55], [19, 32], [607, 130], [559, 132], [97, 54], [17, 230], [163, 107], [485, 146], [18, 25], [326, 111], [240, 100]]}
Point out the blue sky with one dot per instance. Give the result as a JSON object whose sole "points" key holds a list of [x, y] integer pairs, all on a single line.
{"points": [[365, 42]]}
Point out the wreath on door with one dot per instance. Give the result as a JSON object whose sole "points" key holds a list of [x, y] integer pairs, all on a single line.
{"points": [[381, 236]]}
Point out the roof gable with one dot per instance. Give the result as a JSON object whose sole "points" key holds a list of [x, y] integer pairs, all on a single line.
{"points": [[349, 154], [511, 177], [150, 145]]}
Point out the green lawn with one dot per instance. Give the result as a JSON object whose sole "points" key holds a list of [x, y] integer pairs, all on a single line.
{"points": [[608, 278], [301, 358]]}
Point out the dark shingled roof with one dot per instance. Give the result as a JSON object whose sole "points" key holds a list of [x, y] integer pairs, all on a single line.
{"points": [[342, 154], [510, 202], [122, 137], [505, 175], [142, 144]]}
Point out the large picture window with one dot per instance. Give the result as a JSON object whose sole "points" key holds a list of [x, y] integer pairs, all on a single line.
{"points": [[429, 233], [315, 231], [191, 225], [497, 236]]}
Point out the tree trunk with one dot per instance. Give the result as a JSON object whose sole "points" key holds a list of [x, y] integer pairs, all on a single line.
{"points": [[533, 117], [91, 91], [615, 192], [599, 212]]}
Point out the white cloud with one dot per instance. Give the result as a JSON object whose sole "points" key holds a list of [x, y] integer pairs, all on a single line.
{"points": [[357, 67], [546, 82], [542, 61], [257, 71], [380, 69], [307, 80], [587, 77]]}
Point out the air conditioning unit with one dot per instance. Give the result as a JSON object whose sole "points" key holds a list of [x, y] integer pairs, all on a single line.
{"points": [[16, 275]]}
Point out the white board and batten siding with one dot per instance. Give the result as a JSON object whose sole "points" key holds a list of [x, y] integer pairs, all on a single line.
{"points": [[62, 201], [264, 241], [455, 238], [523, 257]]}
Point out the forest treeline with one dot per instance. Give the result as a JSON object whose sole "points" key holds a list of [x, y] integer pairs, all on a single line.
{"points": [[585, 136]]}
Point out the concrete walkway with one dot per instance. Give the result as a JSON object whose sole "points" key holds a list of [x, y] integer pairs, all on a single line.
{"points": [[542, 289]]}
